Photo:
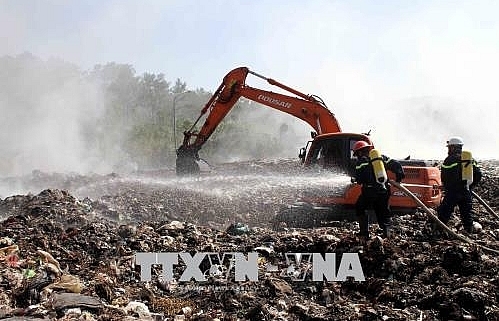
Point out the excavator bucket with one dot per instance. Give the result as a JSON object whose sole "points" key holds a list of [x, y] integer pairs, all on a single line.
{"points": [[186, 163]]}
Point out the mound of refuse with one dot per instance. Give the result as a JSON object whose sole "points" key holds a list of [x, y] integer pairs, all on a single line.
{"points": [[67, 254]]}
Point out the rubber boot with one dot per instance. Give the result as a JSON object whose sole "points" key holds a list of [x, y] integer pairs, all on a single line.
{"points": [[364, 226]]}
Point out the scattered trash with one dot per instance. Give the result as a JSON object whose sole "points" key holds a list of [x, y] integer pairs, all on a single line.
{"points": [[62, 258], [238, 229], [137, 308]]}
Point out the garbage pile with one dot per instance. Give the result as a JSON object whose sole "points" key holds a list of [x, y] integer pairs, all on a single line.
{"points": [[63, 257]]}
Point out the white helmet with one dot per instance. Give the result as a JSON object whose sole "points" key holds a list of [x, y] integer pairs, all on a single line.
{"points": [[455, 141]]}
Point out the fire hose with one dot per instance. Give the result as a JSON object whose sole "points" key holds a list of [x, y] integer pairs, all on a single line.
{"points": [[487, 207], [439, 223]]}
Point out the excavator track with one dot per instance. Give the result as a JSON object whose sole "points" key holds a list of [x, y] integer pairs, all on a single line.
{"points": [[306, 215]]}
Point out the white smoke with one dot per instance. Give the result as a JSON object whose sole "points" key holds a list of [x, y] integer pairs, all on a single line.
{"points": [[45, 123]]}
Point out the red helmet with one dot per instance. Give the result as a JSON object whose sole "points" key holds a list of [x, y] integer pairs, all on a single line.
{"points": [[360, 145]]}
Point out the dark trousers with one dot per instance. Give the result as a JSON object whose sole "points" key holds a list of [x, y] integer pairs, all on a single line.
{"points": [[376, 199], [460, 198]]}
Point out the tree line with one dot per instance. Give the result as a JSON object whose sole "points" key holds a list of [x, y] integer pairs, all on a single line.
{"points": [[121, 116]]}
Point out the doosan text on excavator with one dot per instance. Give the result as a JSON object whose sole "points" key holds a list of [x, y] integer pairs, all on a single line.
{"points": [[329, 148]]}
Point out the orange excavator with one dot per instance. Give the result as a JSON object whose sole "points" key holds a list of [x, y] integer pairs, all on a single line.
{"points": [[329, 148]]}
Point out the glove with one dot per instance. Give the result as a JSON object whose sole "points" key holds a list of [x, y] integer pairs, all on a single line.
{"points": [[399, 177]]}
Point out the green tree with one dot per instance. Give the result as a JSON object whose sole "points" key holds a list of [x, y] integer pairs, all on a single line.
{"points": [[179, 87]]}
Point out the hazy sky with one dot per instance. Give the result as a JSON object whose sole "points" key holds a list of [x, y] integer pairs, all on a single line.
{"points": [[414, 72]]}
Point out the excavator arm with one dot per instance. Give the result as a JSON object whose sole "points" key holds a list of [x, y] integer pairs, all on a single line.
{"points": [[309, 108]]}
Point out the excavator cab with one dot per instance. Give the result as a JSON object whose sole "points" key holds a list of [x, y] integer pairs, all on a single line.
{"points": [[334, 151]]}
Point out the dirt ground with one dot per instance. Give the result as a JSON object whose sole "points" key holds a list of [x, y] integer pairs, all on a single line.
{"points": [[68, 245]]}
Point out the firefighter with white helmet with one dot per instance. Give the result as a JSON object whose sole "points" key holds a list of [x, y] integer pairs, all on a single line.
{"points": [[459, 174], [455, 141], [375, 192]]}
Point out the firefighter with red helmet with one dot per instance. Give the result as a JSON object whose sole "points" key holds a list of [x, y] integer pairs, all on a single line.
{"points": [[373, 194]]}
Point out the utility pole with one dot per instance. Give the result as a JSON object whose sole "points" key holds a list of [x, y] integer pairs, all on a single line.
{"points": [[178, 96]]}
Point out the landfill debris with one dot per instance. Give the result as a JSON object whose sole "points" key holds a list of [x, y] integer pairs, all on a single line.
{"points": [[68, 251]]}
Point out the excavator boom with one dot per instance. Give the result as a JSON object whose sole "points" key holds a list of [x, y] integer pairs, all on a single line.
{"points": [[309, 108]]}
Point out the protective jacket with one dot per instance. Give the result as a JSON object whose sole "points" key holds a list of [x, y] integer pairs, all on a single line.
{"points": [[364, 173], [373, 194], [456, 192], [451, 174]]}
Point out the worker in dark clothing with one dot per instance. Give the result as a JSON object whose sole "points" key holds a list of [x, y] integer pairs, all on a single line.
{"points": [[456, 190], [373, 194]]}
